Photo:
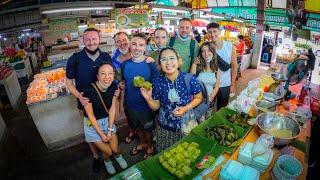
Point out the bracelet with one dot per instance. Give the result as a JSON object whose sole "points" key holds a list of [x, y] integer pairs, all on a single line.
{"points": [[110, 129]]}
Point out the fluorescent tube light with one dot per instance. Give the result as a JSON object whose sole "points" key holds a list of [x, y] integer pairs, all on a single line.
{"points": [[26, 30], [171, 17], [75, 9], [238, 20], [169, 10]]}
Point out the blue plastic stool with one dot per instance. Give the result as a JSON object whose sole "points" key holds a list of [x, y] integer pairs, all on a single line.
{"points": [[265, 57]]}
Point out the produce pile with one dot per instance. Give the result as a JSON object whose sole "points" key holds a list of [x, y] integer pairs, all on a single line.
{"points": [[139, 82], [248, 41], [5, 71], [239, 119], [46, 86], [10, 52], [223, 134], [178, 160]]}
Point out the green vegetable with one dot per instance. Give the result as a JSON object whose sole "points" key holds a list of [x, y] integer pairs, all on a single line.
{"points": [[139, 82]]}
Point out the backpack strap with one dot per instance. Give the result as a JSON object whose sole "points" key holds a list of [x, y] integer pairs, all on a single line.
{"points": [[171, 42], [192, 46], [187, 80], [100, 97]]}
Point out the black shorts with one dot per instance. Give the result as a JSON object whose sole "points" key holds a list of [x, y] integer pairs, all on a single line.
{"points": [[140, 120]]}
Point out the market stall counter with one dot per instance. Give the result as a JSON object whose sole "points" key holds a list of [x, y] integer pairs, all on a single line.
{"points": [[246, 61], [12, 87], [58, 122], [208, 151], [54, 110]]}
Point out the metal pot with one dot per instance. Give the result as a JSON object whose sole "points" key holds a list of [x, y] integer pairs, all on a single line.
{"points": [[271, 121]]}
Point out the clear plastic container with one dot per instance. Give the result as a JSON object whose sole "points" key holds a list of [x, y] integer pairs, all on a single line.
{"points": [[232, 170], [249, 173], [245, 156], [262, 162]]}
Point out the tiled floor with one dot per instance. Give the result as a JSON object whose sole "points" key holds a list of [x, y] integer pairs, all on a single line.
{"points": [[26, 157]]}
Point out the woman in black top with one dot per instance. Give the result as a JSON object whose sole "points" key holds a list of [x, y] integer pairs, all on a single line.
{"points": [[99, 117]]}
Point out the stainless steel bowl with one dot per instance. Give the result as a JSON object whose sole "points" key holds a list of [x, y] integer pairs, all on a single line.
{"points": [[275, 121], [271, 97], [278, 77], [266, 106]]}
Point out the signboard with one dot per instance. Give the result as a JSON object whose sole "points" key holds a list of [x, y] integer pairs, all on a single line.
{"points": [[272, 16], [131, 18], [62, 26]]}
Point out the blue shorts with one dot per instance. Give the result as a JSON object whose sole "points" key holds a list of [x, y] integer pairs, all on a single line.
{"points": [[90, 132]]}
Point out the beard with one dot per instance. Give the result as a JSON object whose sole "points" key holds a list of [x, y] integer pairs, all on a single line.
{"points": [[92, 52]]}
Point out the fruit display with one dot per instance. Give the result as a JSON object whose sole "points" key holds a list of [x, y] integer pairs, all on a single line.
{"points": [[239, 119], [139, 82], [10, 52], [5, 71], [15, 59], [21, 54], [223, 134], [178, 160], [46, 86], [248, 41], [300, 45], [46, 64]]}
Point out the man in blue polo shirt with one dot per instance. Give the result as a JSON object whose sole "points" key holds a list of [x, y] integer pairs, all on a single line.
{"points": [[82, 67]]}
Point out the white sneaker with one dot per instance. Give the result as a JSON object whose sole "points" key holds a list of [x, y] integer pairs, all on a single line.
{"points": [[110, 167], [121, 161]]}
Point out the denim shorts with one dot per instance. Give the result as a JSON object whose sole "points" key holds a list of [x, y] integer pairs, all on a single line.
{"points": [[90, 133]]}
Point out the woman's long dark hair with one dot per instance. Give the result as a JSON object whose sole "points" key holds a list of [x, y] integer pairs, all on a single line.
{"points": [[203, 64]]}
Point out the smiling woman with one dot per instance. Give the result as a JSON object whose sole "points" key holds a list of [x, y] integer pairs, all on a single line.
{"points": [[171, 97], [99, 116]]}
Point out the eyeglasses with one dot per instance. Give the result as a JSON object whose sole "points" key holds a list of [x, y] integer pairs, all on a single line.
{"points": [[169, 59], [106, 74]]}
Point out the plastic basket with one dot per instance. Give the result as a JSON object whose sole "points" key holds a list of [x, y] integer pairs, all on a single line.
{"points": [[287, 167]]}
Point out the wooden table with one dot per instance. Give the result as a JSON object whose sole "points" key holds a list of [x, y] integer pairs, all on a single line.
{"points": [[252, 137]]}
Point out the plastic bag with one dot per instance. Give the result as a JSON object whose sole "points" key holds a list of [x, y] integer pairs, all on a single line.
{"points": [[263, 143], [189, 122]]}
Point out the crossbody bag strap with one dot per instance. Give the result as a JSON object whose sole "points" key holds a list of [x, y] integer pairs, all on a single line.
{"points": [[103, 104]]}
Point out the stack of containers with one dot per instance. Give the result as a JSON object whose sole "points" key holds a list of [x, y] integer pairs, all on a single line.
{"points": [[261, 162], [234, 170]]}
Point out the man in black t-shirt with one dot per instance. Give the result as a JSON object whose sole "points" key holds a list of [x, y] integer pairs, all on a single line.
{"points": [[82, 67]]}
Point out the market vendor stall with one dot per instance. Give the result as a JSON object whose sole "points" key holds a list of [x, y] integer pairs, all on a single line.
{"points": [[11, 85], [206, 152], [54, 111], [246, 61]]}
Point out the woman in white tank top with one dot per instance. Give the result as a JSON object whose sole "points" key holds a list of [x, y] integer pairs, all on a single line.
{"points": [[206, 69]]}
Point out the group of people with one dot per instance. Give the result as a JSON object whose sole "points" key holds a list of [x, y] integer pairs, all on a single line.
{"points": [[104, 87]]}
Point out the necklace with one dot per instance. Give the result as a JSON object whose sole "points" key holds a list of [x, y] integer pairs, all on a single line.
{"points": [[173, 95]]}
